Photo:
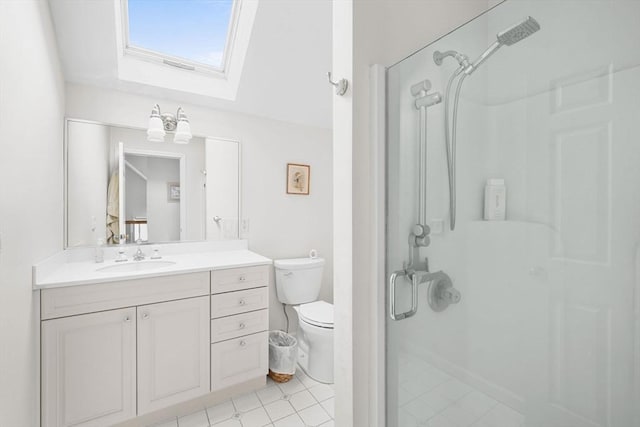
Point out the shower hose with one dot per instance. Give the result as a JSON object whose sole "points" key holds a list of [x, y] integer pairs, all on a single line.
{"points": [[450, 141]]}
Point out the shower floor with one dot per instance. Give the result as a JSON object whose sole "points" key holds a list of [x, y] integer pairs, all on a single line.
{"points": [[429, 397]]}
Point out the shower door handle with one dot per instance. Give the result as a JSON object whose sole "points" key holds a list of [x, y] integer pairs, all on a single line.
{"points": [[392, 296]]}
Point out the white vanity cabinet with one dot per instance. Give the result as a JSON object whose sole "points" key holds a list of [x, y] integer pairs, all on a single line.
{"points": [[109, 366], [116, 350], [173, 352], [89, 369]]}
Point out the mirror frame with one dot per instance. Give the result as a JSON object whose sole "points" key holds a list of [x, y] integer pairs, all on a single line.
{"points": [[65, 196]]}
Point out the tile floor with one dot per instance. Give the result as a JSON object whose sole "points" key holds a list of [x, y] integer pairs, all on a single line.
{"points": [[429, 397], [301, 402]]}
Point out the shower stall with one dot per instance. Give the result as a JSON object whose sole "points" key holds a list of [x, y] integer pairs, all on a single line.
{"points": [[534, 320]]}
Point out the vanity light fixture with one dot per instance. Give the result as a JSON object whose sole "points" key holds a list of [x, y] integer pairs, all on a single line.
{"points": [[161, 123]]}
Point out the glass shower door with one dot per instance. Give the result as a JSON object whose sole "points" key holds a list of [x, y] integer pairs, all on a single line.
{"points": [[546, 332]]}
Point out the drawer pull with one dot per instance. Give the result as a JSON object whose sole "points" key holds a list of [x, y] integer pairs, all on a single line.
{"points": [[242, 301], [242, 326], [243, 343], [243, 278]]}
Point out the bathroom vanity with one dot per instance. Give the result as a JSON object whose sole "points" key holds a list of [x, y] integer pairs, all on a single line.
{"points": [[121, 340]]}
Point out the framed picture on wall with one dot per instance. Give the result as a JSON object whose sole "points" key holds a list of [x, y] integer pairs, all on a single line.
{"points": [[298, 177], [173, 191]]}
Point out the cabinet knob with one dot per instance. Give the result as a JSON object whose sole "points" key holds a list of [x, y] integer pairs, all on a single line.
{"points": [[242, 302], [145, 316], [127, 319], [243, 278], [243, 343], [242, 326]]}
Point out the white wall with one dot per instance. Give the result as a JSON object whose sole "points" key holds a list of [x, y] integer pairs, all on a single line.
{"points": [[280, 225], [223, 188], [135, 198], [380, 32], [87, 171], [31, 130], [163, 215]]}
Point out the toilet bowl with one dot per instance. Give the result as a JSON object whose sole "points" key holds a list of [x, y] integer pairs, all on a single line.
{"points": [[315, 340], [298, 283]]}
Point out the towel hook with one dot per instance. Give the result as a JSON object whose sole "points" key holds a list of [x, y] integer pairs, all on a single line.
{"points": [[341, 85]]}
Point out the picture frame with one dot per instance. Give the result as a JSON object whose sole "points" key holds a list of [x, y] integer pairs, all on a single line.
{"points": [[173, 191], [298, 179]]}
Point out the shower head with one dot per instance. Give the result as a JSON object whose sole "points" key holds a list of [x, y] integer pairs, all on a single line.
{"points": [[508, 37], [517, 32]]}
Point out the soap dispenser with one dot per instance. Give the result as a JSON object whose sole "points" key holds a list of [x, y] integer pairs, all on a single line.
{"points": [[99, 257]]}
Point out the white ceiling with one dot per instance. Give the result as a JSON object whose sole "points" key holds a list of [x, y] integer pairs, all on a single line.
{"points": [[284, 75]]}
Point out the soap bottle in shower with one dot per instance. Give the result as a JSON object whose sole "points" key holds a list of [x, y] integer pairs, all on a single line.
{"points": [[495, 200]]}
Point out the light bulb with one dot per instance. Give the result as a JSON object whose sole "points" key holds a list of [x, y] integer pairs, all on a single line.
{"points": [[155, 131], [183, 132]]}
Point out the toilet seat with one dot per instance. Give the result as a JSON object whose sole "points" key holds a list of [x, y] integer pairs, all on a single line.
{"points": [[317, 313]]}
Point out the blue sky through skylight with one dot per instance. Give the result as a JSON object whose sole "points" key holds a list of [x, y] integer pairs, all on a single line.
{"points": [[191, 29]]}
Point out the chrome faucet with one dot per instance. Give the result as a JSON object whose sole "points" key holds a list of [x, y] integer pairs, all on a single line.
{"points": [[139, 255]]}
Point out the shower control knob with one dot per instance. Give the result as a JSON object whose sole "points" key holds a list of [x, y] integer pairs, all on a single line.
{"points": [[423, 241], [420, 230]]}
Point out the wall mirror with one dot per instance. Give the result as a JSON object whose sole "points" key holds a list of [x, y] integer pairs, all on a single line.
{"points": [[119, 187]]}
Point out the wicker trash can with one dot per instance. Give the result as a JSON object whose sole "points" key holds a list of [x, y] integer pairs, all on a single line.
{"points": [[283, 355]]}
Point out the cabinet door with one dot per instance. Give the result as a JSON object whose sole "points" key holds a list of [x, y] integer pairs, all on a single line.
{"points": [[89, 369], [173, 352], [238, 360]]}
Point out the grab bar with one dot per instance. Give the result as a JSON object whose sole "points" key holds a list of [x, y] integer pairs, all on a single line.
{"points": [[392, 296]]}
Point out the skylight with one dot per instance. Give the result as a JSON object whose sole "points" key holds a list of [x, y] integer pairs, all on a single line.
{"points": [[185, 33]]}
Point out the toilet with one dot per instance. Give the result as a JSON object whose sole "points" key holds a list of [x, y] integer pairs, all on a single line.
{"points": [[298, 284]]}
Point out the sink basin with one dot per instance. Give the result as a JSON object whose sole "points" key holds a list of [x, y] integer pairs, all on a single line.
{"points": [[131, 266]]}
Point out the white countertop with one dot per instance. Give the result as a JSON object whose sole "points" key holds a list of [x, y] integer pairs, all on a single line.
{"points": [[78, 267]]}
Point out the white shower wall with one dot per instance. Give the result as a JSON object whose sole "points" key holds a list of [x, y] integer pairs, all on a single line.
{"points": [[548, 322]]}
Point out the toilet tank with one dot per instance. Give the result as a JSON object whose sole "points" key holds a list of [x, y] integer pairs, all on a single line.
{"points": [[298, 280]]}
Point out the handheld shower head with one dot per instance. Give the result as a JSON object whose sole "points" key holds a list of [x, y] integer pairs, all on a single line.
{"points": [[508, 37], [517, 32]]}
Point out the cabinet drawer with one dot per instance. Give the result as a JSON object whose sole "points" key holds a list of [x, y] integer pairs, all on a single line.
{"points": [[236, 279], [68, 301], [238, 360], [239, 302], [229, 327]]}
